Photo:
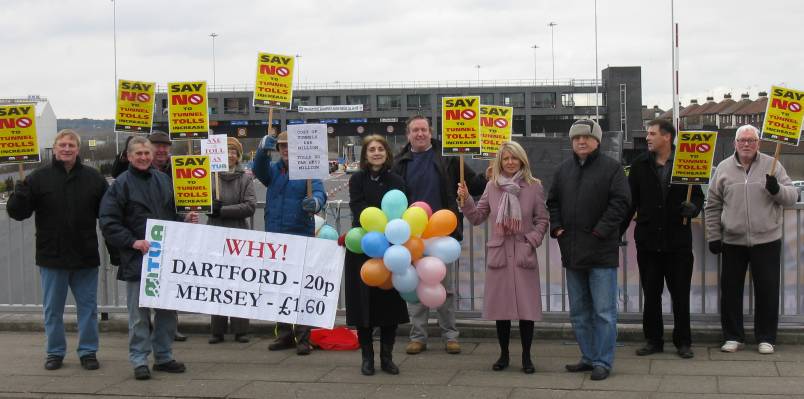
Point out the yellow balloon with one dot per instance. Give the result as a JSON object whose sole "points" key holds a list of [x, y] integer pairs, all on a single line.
{"points": [[417, 220], [373, 219]]}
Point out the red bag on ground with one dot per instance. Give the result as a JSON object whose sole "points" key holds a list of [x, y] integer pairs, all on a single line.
{"points": [[337, 339]]}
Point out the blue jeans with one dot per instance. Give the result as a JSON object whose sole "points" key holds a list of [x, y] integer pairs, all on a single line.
{"points": [[593, 312], [84, 285], [140, 337]]}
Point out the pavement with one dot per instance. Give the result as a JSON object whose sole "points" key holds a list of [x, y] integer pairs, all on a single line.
{"points": [[234, 370]]}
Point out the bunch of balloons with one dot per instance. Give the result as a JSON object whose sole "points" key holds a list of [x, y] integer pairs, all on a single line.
{"points": [[409, 248], [323, 230]]}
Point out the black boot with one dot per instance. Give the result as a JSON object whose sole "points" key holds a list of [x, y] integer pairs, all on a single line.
{"points": [[386, 361], [367, 365], [387, 340]]}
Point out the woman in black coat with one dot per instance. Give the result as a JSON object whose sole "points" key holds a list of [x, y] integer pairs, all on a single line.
{"points": [[369, 307]]}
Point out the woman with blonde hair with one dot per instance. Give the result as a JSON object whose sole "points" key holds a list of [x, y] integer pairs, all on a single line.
{"points": [[514, 202]]}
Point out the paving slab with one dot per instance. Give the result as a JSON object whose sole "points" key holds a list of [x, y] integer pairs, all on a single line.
{"points": [[406, 376], [519, 379], [439, 392], [283, 390], [624, 382], [311, 372], [790, 369], [688, 384], [761, 385], [175, 387], [701, 367]]}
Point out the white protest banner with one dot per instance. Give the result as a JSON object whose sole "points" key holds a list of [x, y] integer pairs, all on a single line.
{"points": [[215, 147], [241, 273], [307, 151]]}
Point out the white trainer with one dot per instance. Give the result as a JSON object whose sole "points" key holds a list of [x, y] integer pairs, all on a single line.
{"points": [[732, 346], [765, 348]]}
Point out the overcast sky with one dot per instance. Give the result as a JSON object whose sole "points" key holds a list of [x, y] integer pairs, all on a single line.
{"points": [[63, 49]]}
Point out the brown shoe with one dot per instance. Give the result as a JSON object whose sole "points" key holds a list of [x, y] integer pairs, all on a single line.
{"points": [[453, 347], [415, 347]]}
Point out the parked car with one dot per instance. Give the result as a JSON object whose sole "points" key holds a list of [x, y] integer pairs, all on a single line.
{"points": [[333, 166], [352, 167]]}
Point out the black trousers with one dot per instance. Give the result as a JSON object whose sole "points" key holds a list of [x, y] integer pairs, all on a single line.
{"points": [[236, 325], [764, 260], [293, 333], [655, 269]]}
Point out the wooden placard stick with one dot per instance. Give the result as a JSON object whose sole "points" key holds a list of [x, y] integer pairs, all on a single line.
{"points": [[775, 158], [689, 197]]}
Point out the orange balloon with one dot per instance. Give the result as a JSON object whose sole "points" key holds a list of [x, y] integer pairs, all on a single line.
{"points": [[416, 247], [374, 272], [442, 223], [387, 284]]}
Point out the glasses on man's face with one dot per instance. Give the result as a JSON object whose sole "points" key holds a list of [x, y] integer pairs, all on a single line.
{"points": [[747, 141]]}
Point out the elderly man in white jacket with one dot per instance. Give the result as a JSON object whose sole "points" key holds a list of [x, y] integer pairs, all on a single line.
{"points": [[744, 212]]}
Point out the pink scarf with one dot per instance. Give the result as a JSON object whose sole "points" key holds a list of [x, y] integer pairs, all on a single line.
{"points": [[509, 213]]}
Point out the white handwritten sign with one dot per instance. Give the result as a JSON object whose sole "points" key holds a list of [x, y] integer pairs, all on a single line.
{"points": [[215, 147], [307, 151], [241, 273]]}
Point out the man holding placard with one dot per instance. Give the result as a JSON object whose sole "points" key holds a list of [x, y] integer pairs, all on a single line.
{"points": [[744, 217], [663, 238], [290, 205], [433, 178], [139, 194]]}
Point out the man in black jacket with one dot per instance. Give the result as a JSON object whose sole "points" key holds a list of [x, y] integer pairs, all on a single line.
{"points": [[433, 178], [663, 238], [588, 201], [65, 195], [139, 194]]}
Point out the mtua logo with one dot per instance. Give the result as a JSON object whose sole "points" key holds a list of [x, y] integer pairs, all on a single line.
{"points": [[157, 235]]}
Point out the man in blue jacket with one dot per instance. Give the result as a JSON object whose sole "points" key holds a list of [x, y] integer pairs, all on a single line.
{"points": [[288, 210]]}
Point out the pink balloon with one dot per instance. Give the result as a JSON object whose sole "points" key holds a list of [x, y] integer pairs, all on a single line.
{"points": [[423, 205], [431, 295], [431, 270]]}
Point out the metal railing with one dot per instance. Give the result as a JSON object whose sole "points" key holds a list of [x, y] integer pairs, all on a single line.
{"points": [[22, 292]]}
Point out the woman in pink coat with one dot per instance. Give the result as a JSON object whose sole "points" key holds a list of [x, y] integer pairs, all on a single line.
{"points": [[514, 204]]}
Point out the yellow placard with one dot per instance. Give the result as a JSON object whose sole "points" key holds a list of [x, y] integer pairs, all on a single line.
{"points": [[18, 142], [460, 125], [495, 129], [188, 113], [692, 162], [192, 184], [783, 116], [135, 106], [274, 87]]}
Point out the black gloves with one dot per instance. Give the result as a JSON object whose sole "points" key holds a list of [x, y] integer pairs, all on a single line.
{"points": [[22, 189], [688, 209], [715, 247], [216, 208], [771, 184]]}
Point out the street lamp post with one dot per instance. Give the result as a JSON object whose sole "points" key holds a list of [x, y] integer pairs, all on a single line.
{"points": [[552, 26], [534, 47], [296, 71], [213, 35], [114, 39], [478, 73], [597, 101]]}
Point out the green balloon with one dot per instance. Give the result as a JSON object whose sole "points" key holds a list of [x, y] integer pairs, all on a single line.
{"points": [[353, 238]]}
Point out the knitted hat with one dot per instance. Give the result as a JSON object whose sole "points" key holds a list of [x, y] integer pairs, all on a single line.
{"points": [[586, 127], [232, 142]]}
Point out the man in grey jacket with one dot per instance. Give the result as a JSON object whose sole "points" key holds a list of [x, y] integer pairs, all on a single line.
{"points": [[744, 212]]}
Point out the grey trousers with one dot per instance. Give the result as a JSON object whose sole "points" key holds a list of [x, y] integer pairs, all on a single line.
{"points": [[446, 313]]}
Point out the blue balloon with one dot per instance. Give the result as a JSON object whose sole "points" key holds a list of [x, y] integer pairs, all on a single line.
{"points": [[410, 297], [406, 281], [374, 244], [394, 203], [447, 249], [397, 231], [328, 232], [396, 258]]}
